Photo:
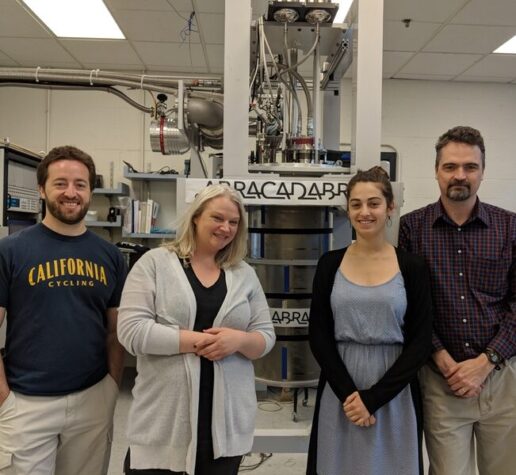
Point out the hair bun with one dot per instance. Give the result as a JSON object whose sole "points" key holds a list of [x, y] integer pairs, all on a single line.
{"points": [[378, 171]]}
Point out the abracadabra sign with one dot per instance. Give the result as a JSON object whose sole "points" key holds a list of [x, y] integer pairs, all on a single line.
{"points": [[290, 317], [277, 192]]}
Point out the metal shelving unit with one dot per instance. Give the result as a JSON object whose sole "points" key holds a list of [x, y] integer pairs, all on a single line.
{"points": [[105, 224], [148, 235], [121, 190], [150, 176]]}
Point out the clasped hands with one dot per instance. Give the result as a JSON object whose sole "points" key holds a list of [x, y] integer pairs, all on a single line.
{"points": [[356, 412], [217, 343], [466, 378]]}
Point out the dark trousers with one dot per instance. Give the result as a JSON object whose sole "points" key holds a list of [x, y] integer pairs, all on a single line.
{"points": [[205, 464]]}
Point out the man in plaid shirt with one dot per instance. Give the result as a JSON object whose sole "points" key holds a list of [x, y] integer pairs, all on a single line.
{"points": [[469, 385]]}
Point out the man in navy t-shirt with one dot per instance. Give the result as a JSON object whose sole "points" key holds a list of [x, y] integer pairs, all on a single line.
{"points": [[60, 287]]}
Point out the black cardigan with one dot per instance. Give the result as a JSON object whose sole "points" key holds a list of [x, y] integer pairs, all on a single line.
{"points": [[417, 344]]}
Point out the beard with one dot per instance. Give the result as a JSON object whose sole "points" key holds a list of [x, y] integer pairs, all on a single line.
{"points": [[67, 216], [458, 191]]}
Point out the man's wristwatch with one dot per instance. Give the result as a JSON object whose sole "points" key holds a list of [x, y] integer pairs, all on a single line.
{"points": [[494, 357]]}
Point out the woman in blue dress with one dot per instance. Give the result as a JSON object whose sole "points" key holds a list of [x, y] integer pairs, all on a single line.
{"points": [[370, 331]]}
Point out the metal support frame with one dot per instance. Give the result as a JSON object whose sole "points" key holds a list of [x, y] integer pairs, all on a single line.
{"points": [[331, 119], [236, 86], [366, 134], [316, 81], [367, 82]]}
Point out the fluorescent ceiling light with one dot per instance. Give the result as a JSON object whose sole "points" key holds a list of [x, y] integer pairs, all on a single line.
{"points": [[344, 6], [508, 47], [76, 18]]}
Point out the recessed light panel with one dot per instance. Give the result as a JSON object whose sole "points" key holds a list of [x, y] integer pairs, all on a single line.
{"points": [[344, 6], [76, 18]]}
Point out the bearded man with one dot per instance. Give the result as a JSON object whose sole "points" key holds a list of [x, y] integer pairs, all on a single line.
{"points": [[469, 384], [60, 286]]}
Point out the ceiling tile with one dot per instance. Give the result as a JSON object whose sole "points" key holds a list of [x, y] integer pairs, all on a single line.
{"points": [[171, 54], [155, 26], [493, 12], [52, 64], [469, 39], [139, 68], [494, 65], [102, 51], [16, 21], [258, 8], [439, 63], [393, 61], [35, 52], [397, 37], [421, 10], [155, 69], [209, 6], [215, 54], [426, 77], [6, 60], [463, 78], [160, 5], [212, 27]]}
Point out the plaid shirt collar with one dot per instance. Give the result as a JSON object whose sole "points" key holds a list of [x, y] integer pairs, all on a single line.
{"points": [[479, 214]]}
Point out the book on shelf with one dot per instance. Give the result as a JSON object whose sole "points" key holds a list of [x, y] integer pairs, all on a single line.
{"points": [[141, 216]]}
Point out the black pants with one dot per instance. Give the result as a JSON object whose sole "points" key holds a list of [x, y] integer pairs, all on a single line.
{"points": [[205, 464]]}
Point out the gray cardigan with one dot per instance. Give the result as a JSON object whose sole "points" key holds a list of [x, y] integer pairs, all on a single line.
{"points": [[157, 302]]}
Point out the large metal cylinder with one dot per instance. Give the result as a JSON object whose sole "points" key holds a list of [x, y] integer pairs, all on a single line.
{"points": [[285, 243]]}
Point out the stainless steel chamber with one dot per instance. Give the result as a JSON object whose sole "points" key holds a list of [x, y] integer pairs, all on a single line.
{"points": [[285, 244]]}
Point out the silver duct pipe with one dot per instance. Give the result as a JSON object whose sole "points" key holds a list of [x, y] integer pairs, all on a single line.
{"points": [[96, 77], [206, 113], [205, 109], [64, 87]]}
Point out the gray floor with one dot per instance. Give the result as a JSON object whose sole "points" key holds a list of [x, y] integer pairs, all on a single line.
{"points": [[274, 412]]}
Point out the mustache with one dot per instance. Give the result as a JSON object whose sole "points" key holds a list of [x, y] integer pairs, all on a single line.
{"points": [[458, 183]]}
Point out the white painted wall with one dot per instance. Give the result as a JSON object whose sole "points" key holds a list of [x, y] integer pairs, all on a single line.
{"points": [[415, 113], [104, 126]]}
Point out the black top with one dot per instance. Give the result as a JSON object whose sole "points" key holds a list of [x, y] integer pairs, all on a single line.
{"points": [[209, 300], [417, 330]]}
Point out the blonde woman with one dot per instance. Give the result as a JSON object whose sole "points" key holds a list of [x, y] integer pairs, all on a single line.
{"points": [[195, 315]]}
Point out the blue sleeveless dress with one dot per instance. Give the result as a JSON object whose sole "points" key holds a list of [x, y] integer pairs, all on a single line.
{"points": [[369, 336]]}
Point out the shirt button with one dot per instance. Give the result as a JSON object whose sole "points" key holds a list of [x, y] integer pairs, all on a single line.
{"points": [[462, 297], [466, 345], [459, 229], [460, 274], [464, 320], [460, 251]]}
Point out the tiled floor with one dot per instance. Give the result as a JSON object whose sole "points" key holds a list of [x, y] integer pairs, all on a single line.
{"points": [[272, 414]]}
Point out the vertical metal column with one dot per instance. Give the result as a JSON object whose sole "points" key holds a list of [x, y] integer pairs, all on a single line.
{"points": [[237, 19], [367, 83], [331, 120], [315, 99]]}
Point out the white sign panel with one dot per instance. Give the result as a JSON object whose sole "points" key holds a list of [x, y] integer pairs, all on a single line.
{"points": [[276, 192], [290, 317]]}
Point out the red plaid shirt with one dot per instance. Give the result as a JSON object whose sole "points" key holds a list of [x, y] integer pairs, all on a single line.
{"points": [[473, 273]]}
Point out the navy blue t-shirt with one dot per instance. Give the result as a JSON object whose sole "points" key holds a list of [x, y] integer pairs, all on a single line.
{"points": [[56, 290]]}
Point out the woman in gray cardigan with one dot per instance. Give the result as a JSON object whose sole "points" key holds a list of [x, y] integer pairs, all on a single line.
{"points": [[195, 315]]}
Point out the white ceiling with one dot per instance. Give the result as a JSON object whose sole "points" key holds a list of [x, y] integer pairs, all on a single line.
{"points": [[446, 39]]}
